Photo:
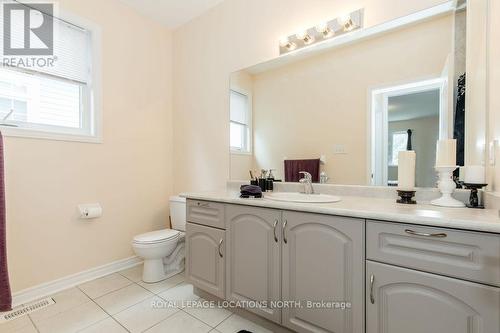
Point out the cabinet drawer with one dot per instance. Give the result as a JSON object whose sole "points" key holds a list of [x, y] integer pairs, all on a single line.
{"points": [[206, 213], [466, 255]]}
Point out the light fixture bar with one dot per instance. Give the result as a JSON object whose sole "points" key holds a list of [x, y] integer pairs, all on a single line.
{"points": [[323, 31]]}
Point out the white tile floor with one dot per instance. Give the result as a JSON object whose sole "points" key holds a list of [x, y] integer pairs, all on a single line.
{"points": [[121, 302]]}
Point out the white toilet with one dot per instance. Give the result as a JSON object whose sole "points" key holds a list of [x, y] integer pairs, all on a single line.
{"points": [[163, 250]]}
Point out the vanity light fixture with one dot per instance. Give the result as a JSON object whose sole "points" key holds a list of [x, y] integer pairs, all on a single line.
{"points": [[322, 32], [305, 37]]}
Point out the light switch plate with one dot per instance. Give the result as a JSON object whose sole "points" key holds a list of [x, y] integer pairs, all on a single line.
{"points": [[339, 149]]}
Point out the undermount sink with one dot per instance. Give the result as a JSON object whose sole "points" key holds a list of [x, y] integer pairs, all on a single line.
{"points": [[302, 197]]}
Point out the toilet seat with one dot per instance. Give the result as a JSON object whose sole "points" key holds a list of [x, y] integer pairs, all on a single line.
{"points": [[156, 237]]}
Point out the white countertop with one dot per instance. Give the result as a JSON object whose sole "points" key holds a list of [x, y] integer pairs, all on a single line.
{"points": [[485, 220]]}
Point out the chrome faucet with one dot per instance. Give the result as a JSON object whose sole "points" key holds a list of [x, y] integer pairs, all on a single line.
{"points": [[307, 181]]}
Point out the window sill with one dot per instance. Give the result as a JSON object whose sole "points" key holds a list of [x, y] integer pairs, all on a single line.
{"points": [[237, 152], [30, 133]]}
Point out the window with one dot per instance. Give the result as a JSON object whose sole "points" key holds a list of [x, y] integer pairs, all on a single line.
{"points": [[399, 142], [240, 129], [51, 99]]}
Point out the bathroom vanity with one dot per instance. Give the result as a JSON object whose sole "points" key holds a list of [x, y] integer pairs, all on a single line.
{"points": [[359, 265], [365, 263]]}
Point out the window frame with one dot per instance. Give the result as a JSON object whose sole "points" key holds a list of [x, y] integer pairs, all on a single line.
{"points": [[247, 139], [90, 100]]}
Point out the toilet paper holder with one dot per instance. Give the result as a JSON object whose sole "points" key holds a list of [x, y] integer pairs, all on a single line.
{"points": [[90, 211]]}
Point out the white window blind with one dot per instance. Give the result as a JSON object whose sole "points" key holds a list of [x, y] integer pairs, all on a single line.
{"points": [[50, 98], [71, 49], [239, 106]]}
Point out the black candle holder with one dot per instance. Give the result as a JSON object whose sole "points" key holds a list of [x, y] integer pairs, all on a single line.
{"points": [[474, 197], [406, 197]]}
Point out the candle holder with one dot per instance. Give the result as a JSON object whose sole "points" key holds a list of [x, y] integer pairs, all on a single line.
{"points": [[406, 197], [474, 197], [447, 186]]}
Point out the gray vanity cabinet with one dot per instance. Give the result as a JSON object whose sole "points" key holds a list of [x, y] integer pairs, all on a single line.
{"points": [[205, 262], [253, 262], [323, 260], [403, 300]]}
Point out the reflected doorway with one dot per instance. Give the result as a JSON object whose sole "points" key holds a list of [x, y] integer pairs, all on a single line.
{"points": [[409, 117]]}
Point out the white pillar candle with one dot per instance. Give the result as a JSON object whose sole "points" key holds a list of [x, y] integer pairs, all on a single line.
{"points": [[475, 174], [446, 152], [406, 170]]}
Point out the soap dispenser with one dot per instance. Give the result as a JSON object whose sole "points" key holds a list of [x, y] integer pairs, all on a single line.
{"points": [[270, 181]]}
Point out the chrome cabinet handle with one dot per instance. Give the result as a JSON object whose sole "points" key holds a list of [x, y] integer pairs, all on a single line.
{"points": [[274, 230], [284, 233], [205, 204], [415, 233], [372, 281], [220, 250]]}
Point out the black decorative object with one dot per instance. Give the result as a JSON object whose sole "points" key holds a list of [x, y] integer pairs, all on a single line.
{"points": [[474, 197], [406, 197], [409, 145], [459, 122]]}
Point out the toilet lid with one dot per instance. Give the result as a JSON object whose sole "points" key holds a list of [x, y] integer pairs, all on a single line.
{"points": [[157, 236]]}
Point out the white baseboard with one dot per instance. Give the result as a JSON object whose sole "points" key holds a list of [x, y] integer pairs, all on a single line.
{"points": [[52, 287]]}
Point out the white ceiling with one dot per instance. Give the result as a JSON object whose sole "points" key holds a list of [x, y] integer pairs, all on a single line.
{"points": [[172, 13]]}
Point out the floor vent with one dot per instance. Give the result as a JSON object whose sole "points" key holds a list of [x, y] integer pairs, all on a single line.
{"points": [[26, 309]]}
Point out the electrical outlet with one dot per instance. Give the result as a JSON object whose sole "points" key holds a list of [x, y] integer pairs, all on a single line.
{"points": [[339, 149]]}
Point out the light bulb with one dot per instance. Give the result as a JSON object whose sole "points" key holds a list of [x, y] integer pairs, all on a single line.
{"points": [[322, 27], [301, 34], [346, 22], [344, 19], [305, 37], [324, 30], [286, 43]]}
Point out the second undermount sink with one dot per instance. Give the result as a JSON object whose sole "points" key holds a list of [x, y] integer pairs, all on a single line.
{"points": [[302, 197]]}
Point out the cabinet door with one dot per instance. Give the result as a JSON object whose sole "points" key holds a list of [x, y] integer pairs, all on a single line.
{"points": [[205, 258], [253, 258], [404, 300], [323, 261]]}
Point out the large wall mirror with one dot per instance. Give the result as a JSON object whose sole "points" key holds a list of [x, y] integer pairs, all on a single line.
{"points": [[352, 106]]}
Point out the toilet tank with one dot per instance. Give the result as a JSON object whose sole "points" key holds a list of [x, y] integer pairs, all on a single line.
{"points": [[178, 213]]}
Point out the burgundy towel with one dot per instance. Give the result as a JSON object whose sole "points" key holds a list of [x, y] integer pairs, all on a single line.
{"points": [[293, 167], [5, 295]]}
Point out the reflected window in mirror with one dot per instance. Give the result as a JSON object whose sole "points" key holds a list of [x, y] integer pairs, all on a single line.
{"points": [[399, 143], [240, 124]]}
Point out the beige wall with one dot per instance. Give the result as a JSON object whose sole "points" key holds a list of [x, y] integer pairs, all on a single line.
{"points": [[130, 174], [234, 35], [302, 110]]}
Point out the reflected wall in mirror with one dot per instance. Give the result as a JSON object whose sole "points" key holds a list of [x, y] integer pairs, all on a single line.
{"points": [[350, 108]]}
